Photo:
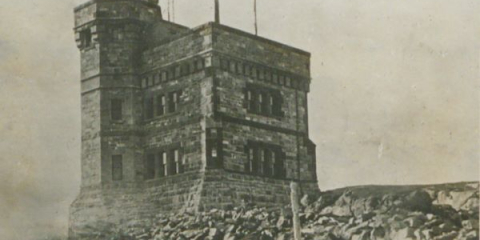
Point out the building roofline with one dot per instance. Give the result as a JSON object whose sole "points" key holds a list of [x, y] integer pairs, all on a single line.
{"points": [[256, 37], [83, 5]]}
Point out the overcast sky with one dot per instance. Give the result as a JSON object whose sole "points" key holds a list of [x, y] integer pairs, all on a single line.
{"points": [[394, 96]]}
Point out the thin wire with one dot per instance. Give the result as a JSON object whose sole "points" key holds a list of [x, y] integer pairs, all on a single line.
{"points": [[173, 10], [168, 6]]}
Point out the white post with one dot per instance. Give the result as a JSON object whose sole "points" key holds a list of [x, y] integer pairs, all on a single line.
{"points": [[297, 234]]}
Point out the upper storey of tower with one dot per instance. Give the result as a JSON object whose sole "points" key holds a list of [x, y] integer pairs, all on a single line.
{"points": [[142, 10], [221, 46], [162, 43]]}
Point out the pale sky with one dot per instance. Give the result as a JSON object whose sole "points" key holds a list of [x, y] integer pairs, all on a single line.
{"points": [[394, 96]]}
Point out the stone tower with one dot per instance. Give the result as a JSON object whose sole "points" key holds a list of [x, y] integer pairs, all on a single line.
{"points": [[179, 119]]}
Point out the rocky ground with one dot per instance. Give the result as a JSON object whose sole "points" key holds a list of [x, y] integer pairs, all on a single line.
{"points": [[448, 211]]}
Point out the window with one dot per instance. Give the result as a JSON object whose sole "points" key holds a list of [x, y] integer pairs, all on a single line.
{"points": [[149, 81], [164, 76], [214, 148], [149, 108], [173, 162], [275, 78], [250, 159], [268, 75], [263, 101], [86, 38], [246, 70], [117, 167], [163, 163], [161, 105], [150, 166], [265, 160], [261, 163], [173, 101], [159, 170], [178, 163], [213, 133], [233, 66], [116, 109], [225, 64], [177, 71], [199, 64], [282, 79]]}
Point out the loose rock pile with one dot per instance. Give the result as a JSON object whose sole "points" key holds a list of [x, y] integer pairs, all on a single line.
{"points": [[356, 213]]}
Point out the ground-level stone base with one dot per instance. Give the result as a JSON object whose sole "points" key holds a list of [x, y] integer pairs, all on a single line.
{"points": [[120, 203]]}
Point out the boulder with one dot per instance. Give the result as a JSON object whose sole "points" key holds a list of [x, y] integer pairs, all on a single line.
{"points": [[470, 224], [403, 234], [378, 233], [418, 200]]}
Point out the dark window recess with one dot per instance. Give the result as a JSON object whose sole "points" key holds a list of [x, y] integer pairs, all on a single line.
{"points": [[199, 64], [116, 109], [177, 71], [86, 38], [117, 167], [246, 70], [185, 69], [265, 160], [149, 108], [263, 101], [164, 76], [157, 78], [214, 148], [163, 163], [150, 166], [225, 64]]}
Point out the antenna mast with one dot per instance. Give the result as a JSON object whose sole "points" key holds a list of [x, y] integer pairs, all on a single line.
{"points": [[217, 11], [255, 13]]}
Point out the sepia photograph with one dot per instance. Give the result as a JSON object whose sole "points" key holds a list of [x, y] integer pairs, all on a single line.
{"points": [[239, 120]]}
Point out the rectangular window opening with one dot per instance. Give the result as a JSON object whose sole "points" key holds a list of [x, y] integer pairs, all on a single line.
{"points": [[116, 109], [150, 166], [161, 105], [86, 38], [117, 167], [149, 108]]}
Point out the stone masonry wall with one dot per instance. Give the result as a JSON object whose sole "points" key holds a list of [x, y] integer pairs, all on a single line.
{"points": [[120, 203], [182, 47], [231, 87], [224, 189], [246, 46], [90, 139]]}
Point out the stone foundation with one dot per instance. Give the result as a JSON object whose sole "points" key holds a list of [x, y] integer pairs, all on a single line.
{"points": [[119, 204]]}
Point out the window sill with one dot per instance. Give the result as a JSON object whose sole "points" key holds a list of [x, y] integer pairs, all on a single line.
{"points": [[164, 116], [265, 115]]}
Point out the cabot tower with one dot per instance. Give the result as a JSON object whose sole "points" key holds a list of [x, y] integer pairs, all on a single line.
{"points": [[180, 119]]}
